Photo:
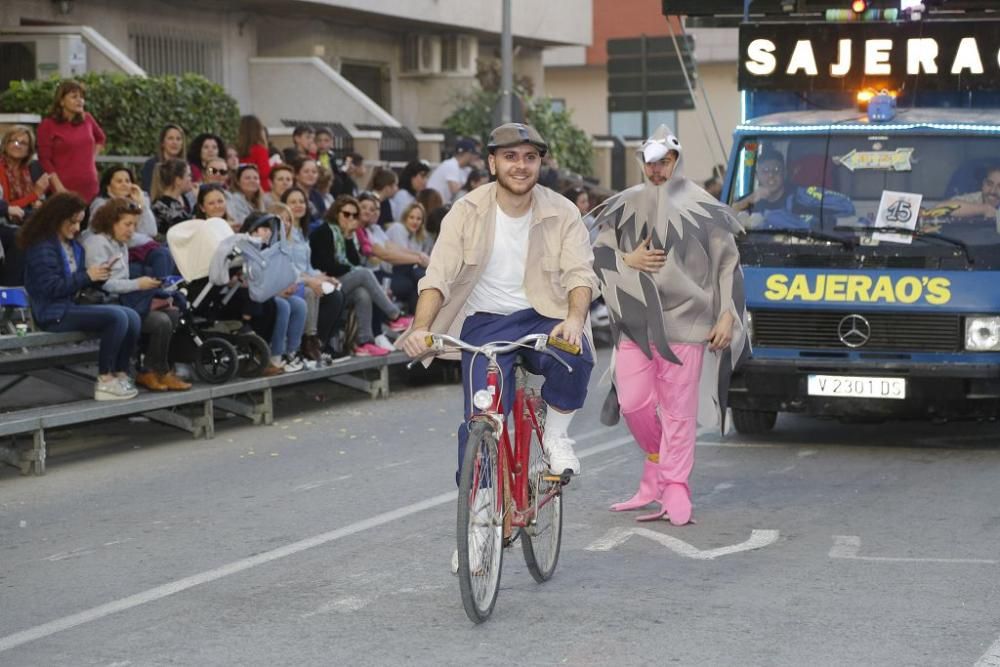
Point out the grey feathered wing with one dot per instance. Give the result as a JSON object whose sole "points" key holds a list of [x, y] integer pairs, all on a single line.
{"points": [[680, 217]]}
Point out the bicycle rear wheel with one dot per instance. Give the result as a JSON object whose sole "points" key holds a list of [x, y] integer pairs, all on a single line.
{"points": [[542, 538], [480, 523]]}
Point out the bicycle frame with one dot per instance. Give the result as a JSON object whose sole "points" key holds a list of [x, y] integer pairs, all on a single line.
{"points": [[513, 455]]}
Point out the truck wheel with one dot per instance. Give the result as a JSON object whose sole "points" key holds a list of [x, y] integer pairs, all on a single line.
{"points": [[753, 422]]}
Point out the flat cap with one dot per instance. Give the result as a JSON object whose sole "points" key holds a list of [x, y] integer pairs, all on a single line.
{"points": [[515, 134]]}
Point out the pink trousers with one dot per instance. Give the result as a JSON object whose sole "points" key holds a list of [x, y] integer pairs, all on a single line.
{"points": [[659, 401]]}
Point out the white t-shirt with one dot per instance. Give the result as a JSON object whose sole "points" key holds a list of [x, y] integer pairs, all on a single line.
{"points": [[446, 171], [500, 289]]}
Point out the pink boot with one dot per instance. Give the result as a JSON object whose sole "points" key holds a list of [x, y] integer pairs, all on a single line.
{"points": [[676, 500], [675, 504], [649, 487]]}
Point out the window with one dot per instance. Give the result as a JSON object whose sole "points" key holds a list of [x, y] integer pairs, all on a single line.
{"points": [[458, 54], [629, 123], [163, 50]]}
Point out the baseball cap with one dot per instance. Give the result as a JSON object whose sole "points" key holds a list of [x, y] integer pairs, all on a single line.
{"points": [[515, 134], [465, 146]]}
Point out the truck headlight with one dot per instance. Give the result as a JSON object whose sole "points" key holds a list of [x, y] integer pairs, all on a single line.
{"points": [[982, 334]]}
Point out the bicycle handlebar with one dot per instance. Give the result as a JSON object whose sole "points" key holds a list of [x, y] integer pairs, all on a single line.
{"points": [[539, 342]]}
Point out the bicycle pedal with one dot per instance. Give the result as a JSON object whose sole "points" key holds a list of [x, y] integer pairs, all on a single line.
{"points": [[562, 479]]}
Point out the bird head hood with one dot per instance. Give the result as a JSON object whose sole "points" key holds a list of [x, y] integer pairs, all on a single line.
{"points": [[656, 147]]}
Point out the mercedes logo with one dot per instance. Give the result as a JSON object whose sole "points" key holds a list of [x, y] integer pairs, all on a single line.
{"points": [[854, 331]]}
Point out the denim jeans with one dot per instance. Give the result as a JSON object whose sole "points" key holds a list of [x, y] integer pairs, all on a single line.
{"points": [[118, 327], [289, 324]]}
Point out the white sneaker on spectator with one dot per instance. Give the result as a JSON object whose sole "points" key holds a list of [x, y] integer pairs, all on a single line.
{"points": [[293, 362], [383, 342], [279, 362], [113, 390], [559, 449]]}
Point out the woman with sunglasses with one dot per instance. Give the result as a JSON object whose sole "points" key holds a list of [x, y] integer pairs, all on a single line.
{"points": [[18, 194], [112, 227], [56, 271], [335, 253], [204, 148]]}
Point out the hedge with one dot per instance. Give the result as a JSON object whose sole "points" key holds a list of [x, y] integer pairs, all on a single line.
{"points": [[132, 109]]}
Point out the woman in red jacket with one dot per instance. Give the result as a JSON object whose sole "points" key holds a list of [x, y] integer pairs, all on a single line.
{"points": [[69, 140], [251, 143]]}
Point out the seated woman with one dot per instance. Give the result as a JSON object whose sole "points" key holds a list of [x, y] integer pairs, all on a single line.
{"points": [[171, 148], [296, 199], [212, 203], [56, 271], [113, 226], [335, 253], [146, 256], [324, 301], [289, 309], [384, 255], [246, 193], [18, 195], [282, 178], [476, 178], [170, 205], [306, 177], [411, 235], [204, 148]]}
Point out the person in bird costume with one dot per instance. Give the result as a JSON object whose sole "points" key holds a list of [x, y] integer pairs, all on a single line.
{"points": [[669, 268]]}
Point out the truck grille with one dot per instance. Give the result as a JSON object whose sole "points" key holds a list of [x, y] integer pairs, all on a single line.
{"points": [[896, 332]]}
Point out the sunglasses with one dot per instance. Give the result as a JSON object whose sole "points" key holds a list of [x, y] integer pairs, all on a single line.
{"points": [[214, 171], [349, 214]]}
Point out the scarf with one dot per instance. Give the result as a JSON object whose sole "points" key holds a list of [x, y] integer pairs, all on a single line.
{"points": [[19, 179]]}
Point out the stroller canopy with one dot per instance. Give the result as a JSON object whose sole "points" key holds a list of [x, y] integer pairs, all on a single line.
{"points": [[193, 244]]}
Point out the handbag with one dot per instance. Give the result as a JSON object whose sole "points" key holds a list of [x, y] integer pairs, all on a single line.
{"points": [[92, 296]]}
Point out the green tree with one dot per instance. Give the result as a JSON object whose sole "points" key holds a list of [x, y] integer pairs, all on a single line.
{"points": [[131, 109], [571, 146]]}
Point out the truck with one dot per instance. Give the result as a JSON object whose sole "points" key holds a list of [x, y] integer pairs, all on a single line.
{"points": [[866, 176]]}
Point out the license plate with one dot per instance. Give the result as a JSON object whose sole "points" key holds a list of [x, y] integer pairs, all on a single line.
{"points": [[852, 386]]}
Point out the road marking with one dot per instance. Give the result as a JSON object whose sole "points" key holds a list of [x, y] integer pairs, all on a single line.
{"points": [[847, 547], [159, 592], [992, 656], [617, 536]]}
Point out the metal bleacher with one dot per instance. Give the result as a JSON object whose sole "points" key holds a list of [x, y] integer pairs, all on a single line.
{"points": [[57, 358]]}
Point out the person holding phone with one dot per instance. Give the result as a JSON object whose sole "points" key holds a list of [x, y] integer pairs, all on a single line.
{"points": [[113, 226], [56, 271]]}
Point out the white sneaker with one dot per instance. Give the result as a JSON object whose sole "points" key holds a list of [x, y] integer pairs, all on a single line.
{"points": [[113, 390], [383, 342], [293, 362], [559, 449]]}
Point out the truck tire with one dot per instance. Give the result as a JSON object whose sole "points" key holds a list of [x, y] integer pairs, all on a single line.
{"points": [[753, 422]]}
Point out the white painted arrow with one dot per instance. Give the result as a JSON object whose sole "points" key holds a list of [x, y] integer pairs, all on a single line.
{"points": [[846, 547], [616, 536]]}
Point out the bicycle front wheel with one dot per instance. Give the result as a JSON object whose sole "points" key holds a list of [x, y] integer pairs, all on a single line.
{"points": [[542, 538], [480, 523]]}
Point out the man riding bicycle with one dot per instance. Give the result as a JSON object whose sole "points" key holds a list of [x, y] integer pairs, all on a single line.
{"points": [[514, 258]]}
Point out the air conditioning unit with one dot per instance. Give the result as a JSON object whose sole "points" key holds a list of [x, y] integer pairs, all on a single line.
{"points": [[459, 54], [422, 54], [40, 56]]}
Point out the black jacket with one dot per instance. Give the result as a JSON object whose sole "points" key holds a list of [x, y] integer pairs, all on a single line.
{"points": [[324, 252]]}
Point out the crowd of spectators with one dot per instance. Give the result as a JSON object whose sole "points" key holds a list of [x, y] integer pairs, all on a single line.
{"points": [[91, 249]]}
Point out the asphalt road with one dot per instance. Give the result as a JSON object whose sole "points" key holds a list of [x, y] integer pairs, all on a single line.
{"points": [[325, 540]]}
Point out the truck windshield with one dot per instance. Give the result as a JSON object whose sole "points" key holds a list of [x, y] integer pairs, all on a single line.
{"points": [[944, 191]]}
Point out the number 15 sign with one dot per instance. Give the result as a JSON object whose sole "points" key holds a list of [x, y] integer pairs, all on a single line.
{"points": [[897, 209]]}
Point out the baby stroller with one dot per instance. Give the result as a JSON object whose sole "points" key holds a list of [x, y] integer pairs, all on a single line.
{"points": [[207, 254]]}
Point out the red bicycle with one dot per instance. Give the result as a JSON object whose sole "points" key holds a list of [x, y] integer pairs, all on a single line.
{"points": [[506, 491]]}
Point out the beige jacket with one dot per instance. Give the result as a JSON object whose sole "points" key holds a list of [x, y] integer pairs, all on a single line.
{"points": [[559, 260]]}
